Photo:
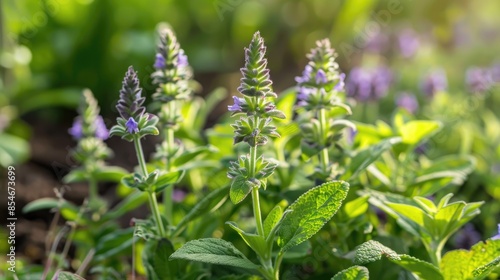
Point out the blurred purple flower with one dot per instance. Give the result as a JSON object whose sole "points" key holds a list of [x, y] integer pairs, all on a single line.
{"points": [[408, 43], [101, 131], [422, 148], [495, 73], [408, 102], [236, 107], [321, 77], [467, 237], [495, 237], [304, 93], [341, 84], [351, 134], [306, 75], [377, 43], [434, 82], [182, 59], [76, 130], [132, 125], [478, 79], [160, 62], [368, 84], [178, 195]]}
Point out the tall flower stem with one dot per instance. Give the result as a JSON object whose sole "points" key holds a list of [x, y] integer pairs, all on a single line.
{"points": [[323, 156], [92, 188], [151, 194], [255, 190], [168, 192]]}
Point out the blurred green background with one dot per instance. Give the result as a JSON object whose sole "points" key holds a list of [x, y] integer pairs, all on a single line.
{"points": [[66, 45]]}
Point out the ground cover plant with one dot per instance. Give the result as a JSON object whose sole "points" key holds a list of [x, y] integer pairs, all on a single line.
{"points": [[286, 187]]}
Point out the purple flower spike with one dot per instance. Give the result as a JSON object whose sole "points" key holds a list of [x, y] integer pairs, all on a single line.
{"points": [[132, 125], [101, 131], [76, 130], [182, 59], [498, 235], [236, 107], [160, 62], [408, 102], [341, 84], [434, 82], [321, 77]]}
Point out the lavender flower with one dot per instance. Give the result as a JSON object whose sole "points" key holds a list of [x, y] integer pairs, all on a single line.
{"points": [[368, 84], [178, 195], [76, 130], [130, 102], [236, 107], [408, 43], [182, 59], [495, 73], [172, 73], [498, 235], [306, 74], [377, 43], [478, 80], [467, 237], [341, 84], [321, 77], [408, 102], [160, 61], [101, 131], [434, 82], [132, 125]]}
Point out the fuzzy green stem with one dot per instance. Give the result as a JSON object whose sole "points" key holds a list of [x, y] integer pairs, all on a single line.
{"points": [[92, 189], [323, 156], [277, 265], [170, 139], [256, 211], [434, 249], [151, 195]]}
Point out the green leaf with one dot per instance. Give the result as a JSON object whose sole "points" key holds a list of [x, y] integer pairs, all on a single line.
{"points": [[13, 149], [205, 206], [130, 203], [356, 207], [476, 264], [414, 132], [189, 155], [366, 157], [63, 275], [254, 241], [42, 203], [372, 250], [239, 189], [76, 175], [213, 251], [167, 179], [155, 259], [299, 251], [272, 219], [310, 212], [114, 244], [110, 174], [352, 273]]}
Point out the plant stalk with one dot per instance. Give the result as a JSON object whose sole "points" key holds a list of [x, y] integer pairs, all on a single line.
{"points": [[323, 156], [151, 195]]}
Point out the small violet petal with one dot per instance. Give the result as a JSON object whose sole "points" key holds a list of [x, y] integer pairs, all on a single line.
{"points": [[132, 125]]}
